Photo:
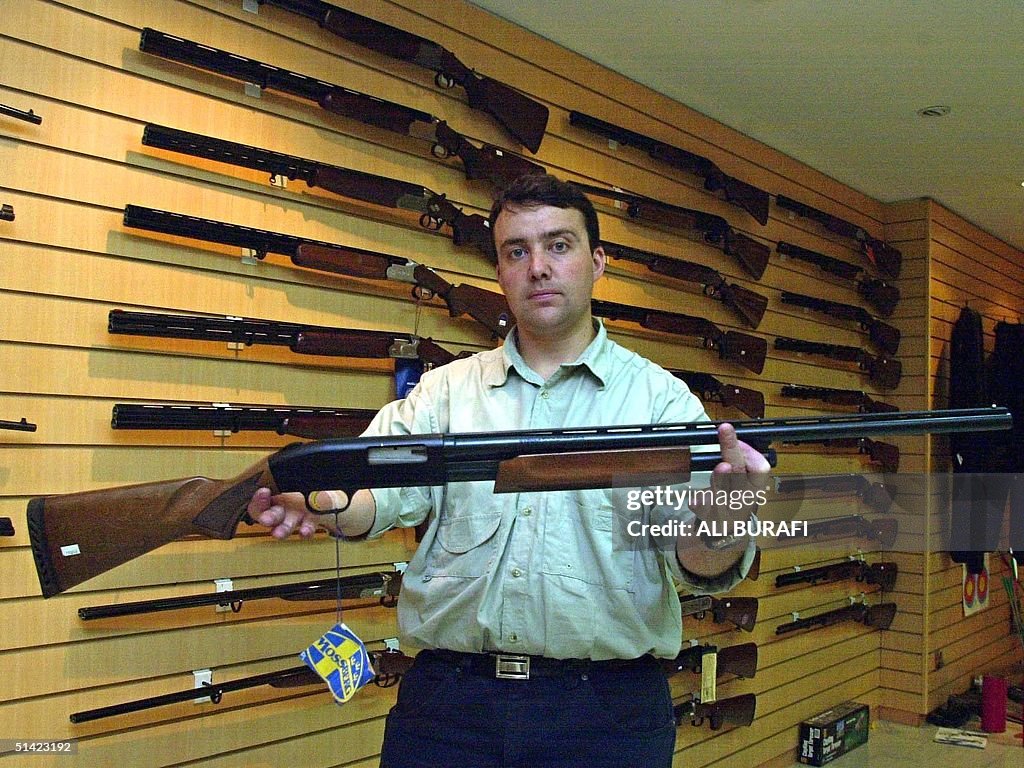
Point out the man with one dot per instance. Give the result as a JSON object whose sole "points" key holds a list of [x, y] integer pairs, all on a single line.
{"points": [[511, 586]]}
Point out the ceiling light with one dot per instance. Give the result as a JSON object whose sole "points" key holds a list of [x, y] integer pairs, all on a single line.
{"points": [[939, 110]]}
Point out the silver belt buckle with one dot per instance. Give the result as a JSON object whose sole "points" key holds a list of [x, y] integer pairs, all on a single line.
{"points": [[510, 667]]}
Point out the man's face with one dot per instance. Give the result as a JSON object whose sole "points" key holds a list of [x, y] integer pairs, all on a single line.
{"points": [[546, 268]]}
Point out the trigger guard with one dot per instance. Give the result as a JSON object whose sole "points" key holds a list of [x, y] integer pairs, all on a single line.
{"points": [[333, 510]]}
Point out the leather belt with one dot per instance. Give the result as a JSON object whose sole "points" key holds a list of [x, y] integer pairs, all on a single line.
{"points": [[511, 666]]}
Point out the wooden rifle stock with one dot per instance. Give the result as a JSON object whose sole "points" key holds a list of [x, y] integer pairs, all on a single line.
{"points": [[709, 388], [6, 526], [80, 535], [737, 710], [739, 660]]}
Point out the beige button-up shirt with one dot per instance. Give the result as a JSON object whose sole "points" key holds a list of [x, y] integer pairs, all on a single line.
{"points": [[536, 573]]}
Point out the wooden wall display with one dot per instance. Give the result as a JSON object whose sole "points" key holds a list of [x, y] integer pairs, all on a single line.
{"points": [[68, 259]]}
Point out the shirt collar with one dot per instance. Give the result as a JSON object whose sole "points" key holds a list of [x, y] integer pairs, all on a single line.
{"points": [[596, 358]]}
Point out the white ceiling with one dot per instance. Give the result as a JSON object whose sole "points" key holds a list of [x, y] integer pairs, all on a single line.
{"points": [[835, 84]]}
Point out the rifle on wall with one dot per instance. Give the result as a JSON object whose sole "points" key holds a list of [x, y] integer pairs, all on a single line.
{"points": [[487, 162], [886, 455], [884, 372], [77, 536], [523, 118], [740, 348], [298, 337], [739, 660], [884, 336], [737, 710], [863, 401], [297, 421], [716, 231], [881, 574], [710, 389], [884, 257], [746, 196], [876, 616], [873, 494], [747, 305], [24, 425], [740, 611], [881, 531], [878, 293], [20, 114], [389, 665], [461, 299], [434, 208], [384, 585]]}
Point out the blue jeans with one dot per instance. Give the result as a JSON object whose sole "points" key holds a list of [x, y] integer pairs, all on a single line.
{"points": [[449, 715]]}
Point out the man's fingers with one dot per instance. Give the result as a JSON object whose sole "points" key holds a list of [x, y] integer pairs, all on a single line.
{"points": [[732, 448]]}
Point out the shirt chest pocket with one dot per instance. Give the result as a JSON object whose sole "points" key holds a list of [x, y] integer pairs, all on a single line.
{"points": [[577, 542], [465, 545]]}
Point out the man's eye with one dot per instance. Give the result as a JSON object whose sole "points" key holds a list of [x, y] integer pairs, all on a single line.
{"points": [[560, 246], [516, 253]]}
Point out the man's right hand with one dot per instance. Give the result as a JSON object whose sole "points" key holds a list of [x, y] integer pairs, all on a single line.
{"points": [[284, 514], [287, 513]]}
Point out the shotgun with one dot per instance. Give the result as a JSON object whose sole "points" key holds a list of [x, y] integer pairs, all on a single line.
{"points": [[522, 118], [886, 455], [739, 611], [882, 531], [298, 421], [489, 162], [739, 348], [884, 371], [876, 616], [77, 536], [884, 336], [28, 116], [389, 665], [746, 196], [747, 305], [709, 389], [384, 585], [298, 337], [878, 293], [752, 255], [863, 401], [24, 425], [882, 574], [885, 258]]}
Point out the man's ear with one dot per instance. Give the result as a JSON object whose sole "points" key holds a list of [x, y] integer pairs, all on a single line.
{"points": [[599, 260]]}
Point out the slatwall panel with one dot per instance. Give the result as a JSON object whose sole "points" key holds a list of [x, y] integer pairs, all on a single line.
{"points": [[67, 260]]}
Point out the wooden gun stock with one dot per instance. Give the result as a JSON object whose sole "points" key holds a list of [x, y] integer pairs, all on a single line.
{"points": [[738, 710]]}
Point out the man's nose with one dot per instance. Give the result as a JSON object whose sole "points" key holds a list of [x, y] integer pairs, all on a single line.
{"points": [[539, 265]]}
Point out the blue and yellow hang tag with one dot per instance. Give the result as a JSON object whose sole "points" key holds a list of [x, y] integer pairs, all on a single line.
{"points": [[340, 658]]}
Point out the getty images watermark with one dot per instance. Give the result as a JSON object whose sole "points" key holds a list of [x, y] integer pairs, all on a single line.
{"points": [[661, 513]]}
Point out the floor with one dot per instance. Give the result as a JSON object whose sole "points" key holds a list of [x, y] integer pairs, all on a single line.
{"points": [[891, 745]]}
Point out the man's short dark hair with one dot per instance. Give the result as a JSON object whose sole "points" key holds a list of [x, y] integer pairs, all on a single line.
{"points": [[537, 189]]}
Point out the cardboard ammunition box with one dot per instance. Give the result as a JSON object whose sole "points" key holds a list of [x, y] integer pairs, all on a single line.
{"points": [[834, 732]]}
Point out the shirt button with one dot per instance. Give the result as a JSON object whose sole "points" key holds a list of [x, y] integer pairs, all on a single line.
{"points": [[527, 512], [516, 572], [427, 577], [544, 394], [513, 638]]}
